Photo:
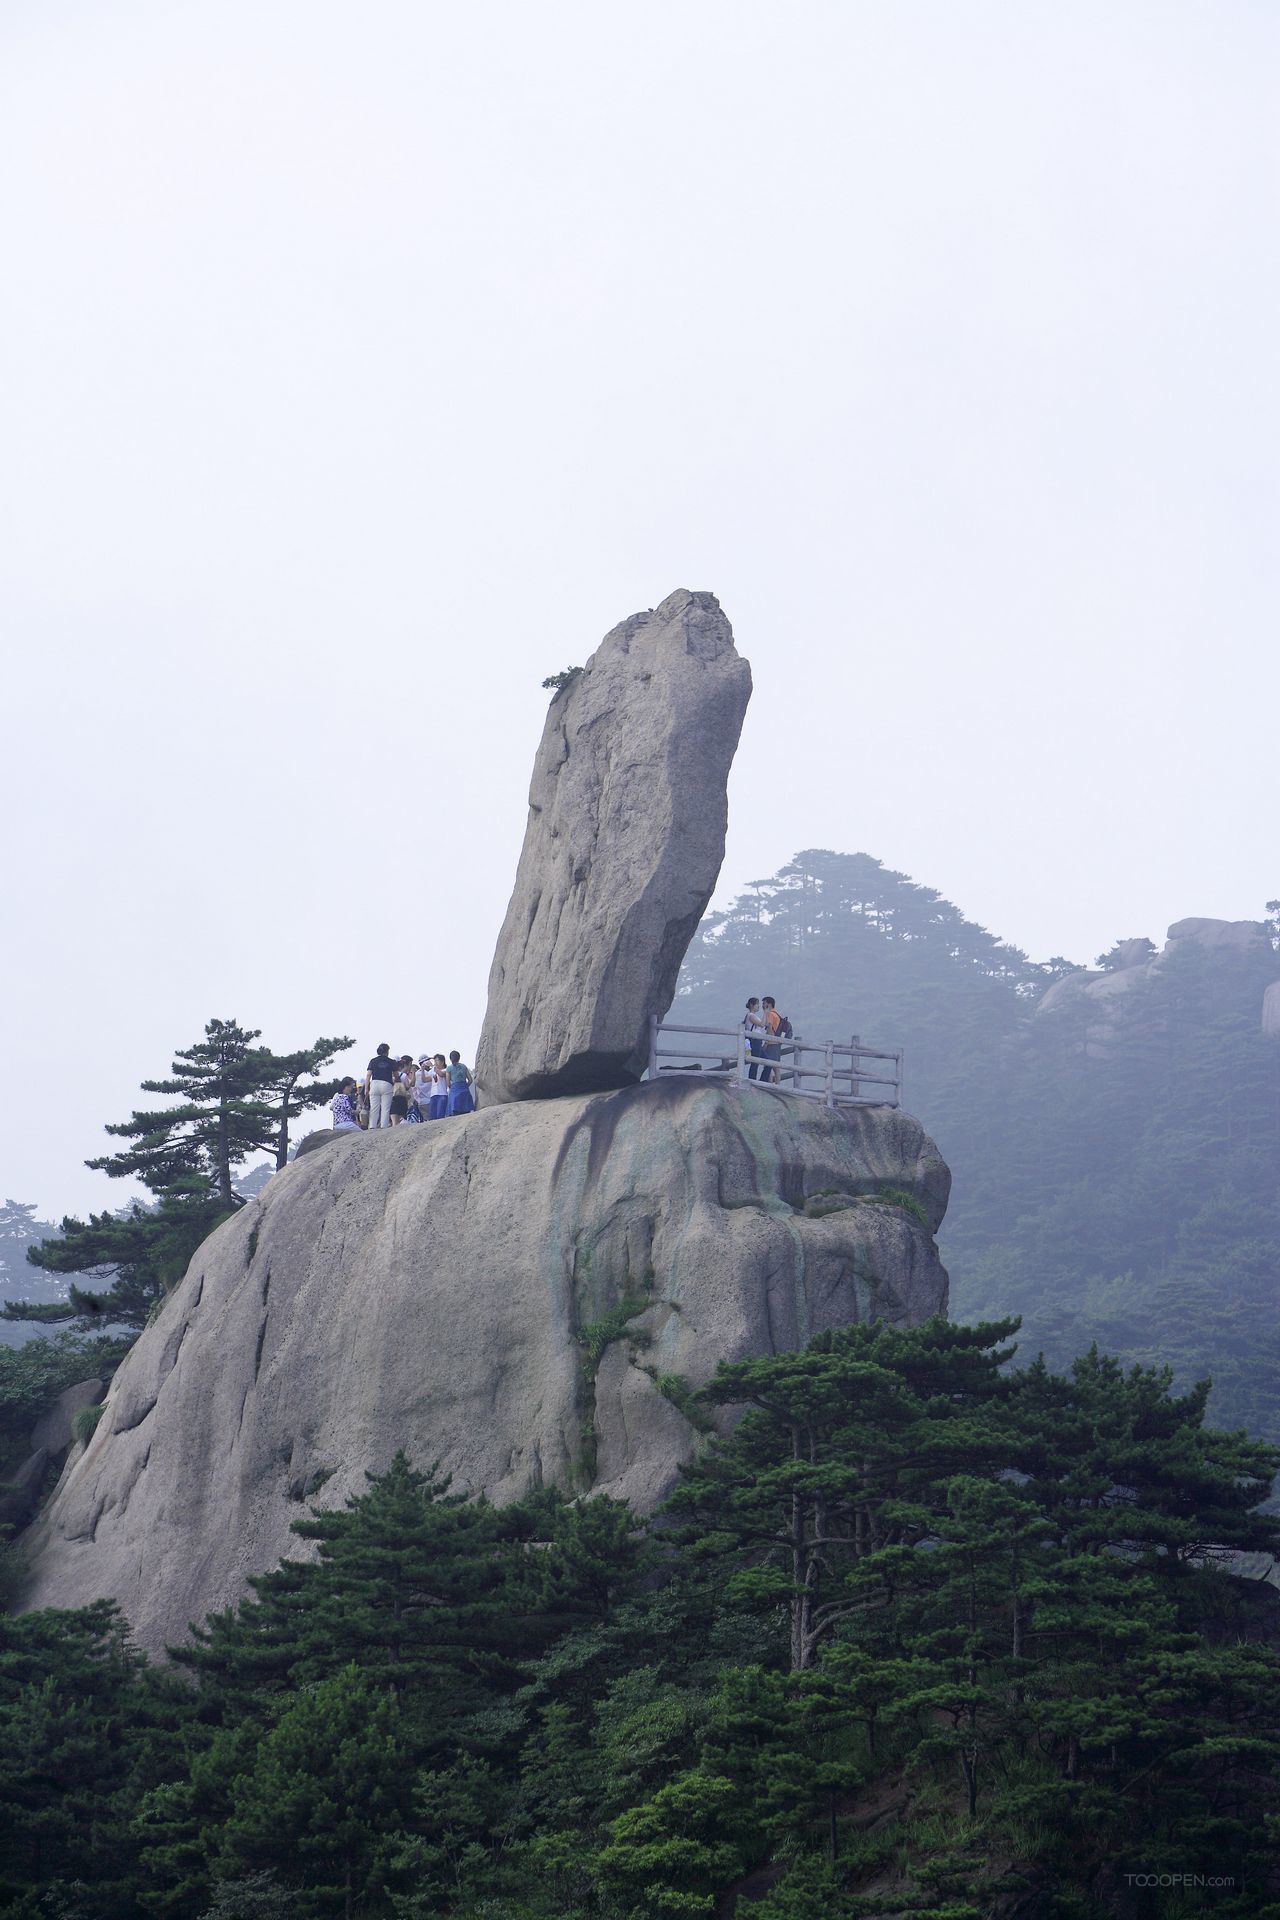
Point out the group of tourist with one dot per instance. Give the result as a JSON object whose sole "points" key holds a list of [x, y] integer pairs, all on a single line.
{"points": [[403, 1092], [765, 1029]]}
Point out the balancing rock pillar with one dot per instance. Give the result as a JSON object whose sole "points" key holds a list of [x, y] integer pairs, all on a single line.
{"points": [[627, 815]]}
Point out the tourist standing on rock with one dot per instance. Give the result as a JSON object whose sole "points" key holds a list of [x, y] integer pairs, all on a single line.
{"points": [[344, 1108], [423, 1086], [400, 1091], [773, 1040], [753, 1027], [407, 1080], [460, 1097], [439, 1087], [379, 1084]]}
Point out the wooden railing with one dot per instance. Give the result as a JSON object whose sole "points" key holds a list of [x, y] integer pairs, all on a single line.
{"points": [[843, 1080]]}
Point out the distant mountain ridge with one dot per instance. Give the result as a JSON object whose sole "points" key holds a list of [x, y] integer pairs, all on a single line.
{"points": [[1114, 1133]]}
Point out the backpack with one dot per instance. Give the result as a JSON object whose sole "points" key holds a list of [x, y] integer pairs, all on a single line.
{"points": [[785, 1031]]}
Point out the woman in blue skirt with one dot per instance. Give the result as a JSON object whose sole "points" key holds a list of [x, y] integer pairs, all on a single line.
{"points": [[460, 1099], [439, 1105]]}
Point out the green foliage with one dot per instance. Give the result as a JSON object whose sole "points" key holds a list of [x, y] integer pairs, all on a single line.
{"points": [[141, 1254], [328, 1786], [829, 1469], [251, 1896], [675, 1388], [84, 1423], [899, 1197], [832, 1200], [557, 681], [1019, 1673], [19, 1230], [595, 1336], [1134, 952], [85, 1731], [430, 1593], [674, 1852], [233, 1100], [33, 1375]]}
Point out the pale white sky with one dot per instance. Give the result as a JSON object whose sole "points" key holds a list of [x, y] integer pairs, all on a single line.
{"points": [[363, 365]]}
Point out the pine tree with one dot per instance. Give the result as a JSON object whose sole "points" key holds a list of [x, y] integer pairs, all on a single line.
{"points": [[222, 1116], [325, 1792], [829, 1476], [281, 1076], [436, 1597], [136, 1255], [83, 1730], [233, 1100]]}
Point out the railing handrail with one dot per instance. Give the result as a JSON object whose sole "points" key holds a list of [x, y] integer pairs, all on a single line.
{"points": [[791, 1040], [749, 1069]]}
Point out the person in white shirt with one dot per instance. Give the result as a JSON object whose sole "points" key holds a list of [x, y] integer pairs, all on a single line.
{"points": [[439, 1087]]}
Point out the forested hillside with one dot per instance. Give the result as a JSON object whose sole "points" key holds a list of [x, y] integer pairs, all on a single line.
{"points": [[859, 1669], [19, 1229], [1115, 1182]]}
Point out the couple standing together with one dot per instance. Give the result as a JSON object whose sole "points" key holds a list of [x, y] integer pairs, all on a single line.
{"points": [[765, 1029]]}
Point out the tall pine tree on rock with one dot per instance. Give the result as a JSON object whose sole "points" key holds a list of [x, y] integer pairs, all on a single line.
{"points": [[233, 1099]]}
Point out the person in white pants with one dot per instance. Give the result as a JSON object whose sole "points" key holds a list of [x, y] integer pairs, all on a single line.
{"points": [[379, 1085]]}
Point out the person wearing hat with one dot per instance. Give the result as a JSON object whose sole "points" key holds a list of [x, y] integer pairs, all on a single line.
{"points": [[423, 1086]]}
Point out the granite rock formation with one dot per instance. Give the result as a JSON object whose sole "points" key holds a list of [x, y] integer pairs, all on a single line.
{"points": [[627, 811], [54, 1430], [1134, 964], [443, 1289]]}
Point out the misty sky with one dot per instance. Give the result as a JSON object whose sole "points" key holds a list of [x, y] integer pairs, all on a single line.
{"points": [[364, 365]]}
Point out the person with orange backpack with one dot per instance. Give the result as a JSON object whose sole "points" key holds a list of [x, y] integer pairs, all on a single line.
{"points": [[777, 1028]]}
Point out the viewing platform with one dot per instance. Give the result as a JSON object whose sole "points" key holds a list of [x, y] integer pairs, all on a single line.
{"points": [[833, 1071]]}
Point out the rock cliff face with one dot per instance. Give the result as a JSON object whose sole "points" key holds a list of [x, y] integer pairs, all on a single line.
{"points": [[429, 1288], [627, 812]]}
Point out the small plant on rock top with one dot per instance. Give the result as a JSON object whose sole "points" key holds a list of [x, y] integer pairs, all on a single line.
{"points": [[84, 1422], [899, 1197]]}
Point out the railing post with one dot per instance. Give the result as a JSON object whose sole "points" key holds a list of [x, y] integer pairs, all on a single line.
{"points": [[828, 1082], [855, 1088], [653, 1046], [898, 1069], [744, 1048]]}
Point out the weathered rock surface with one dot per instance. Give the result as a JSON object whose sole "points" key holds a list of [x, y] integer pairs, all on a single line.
{"points": [[426, 1288], [1244, 936], [1133, 966], [53, 1429], [627, 811]]}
